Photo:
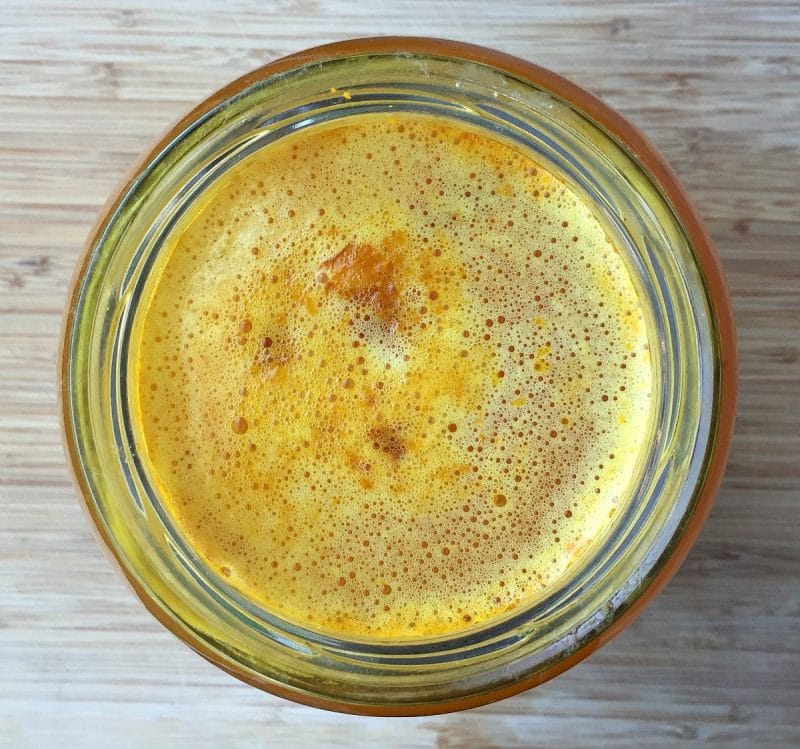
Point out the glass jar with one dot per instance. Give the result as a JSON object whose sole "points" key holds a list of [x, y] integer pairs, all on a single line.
{"points": [[674, 269]]}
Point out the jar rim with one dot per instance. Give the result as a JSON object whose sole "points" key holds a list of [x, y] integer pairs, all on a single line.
{"points": [[663, 178]]}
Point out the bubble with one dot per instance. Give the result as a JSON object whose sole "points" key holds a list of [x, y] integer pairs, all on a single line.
{"points": [[239, 425]]}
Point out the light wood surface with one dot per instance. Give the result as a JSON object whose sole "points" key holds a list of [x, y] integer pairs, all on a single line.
{"points": [[85, 87]]}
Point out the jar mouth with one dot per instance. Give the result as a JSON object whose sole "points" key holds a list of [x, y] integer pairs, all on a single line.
{"points": [[614, 169]]}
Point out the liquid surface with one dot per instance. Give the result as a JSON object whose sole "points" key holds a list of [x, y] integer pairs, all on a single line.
{"points": [[393, 378]]}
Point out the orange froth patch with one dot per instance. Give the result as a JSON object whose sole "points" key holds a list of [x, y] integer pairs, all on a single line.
{"points": [[366, 275]]}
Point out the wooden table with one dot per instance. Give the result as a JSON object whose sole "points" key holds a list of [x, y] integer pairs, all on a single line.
{"points": [[84, 88]]}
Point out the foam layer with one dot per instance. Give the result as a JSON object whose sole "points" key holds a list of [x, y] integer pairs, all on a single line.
{"points": [[393, 378]]}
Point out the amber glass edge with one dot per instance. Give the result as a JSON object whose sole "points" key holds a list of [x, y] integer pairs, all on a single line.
{"points": [[642, 150]]}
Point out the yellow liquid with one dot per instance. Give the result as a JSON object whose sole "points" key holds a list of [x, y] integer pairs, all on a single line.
{"points": [[393, 378]]}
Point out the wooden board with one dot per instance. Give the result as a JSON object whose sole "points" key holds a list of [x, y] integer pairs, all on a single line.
{"points": [[84, 88]]}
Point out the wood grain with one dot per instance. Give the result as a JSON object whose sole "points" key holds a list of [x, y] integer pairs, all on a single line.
{"points": [[84, 88]]}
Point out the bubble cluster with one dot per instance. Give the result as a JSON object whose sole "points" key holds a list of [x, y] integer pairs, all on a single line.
{"points": [[393, 378]]}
